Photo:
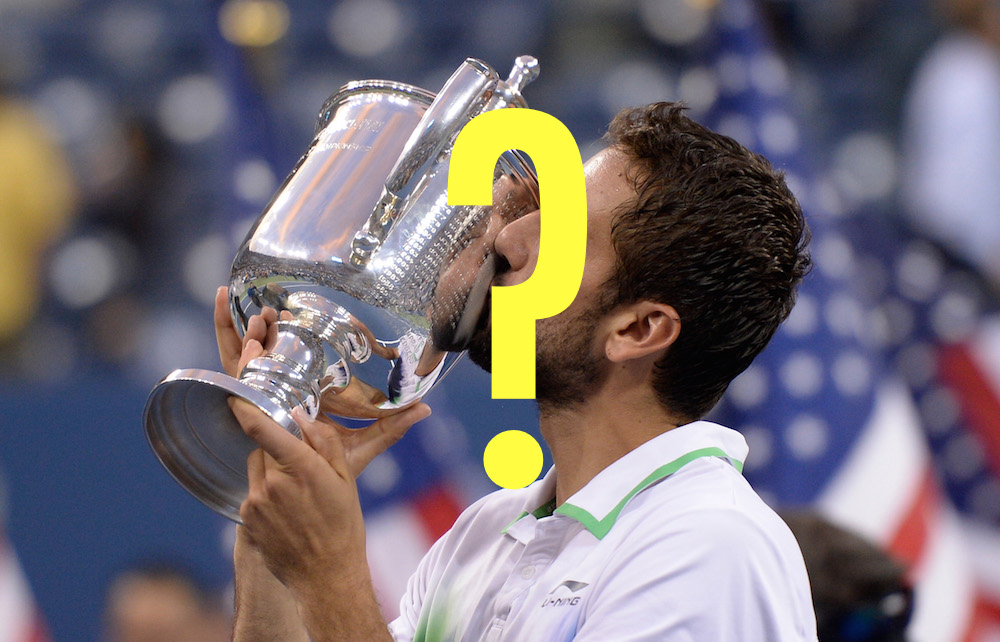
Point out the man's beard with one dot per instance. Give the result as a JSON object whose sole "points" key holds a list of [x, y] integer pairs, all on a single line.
{"points": [[567, 367]]}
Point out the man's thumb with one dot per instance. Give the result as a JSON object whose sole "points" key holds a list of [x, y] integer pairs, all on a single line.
{"points": [[322, 438]]}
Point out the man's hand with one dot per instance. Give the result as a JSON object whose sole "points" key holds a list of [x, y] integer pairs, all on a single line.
{"points": [[302, 517], [303, 514], [302, 510], [260, 329]]}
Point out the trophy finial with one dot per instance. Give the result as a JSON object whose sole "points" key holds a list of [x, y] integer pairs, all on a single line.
{"points": [[525, 70]]}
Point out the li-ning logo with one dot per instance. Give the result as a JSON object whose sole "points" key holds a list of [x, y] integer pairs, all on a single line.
{"points": [[570, 600]]}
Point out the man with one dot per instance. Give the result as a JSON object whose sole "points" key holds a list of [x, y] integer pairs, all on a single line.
{"points": [[158, 602], [644, 529], [860, 592]]}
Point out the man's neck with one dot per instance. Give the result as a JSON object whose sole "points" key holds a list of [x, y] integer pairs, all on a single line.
{"points": [[587, 438]]}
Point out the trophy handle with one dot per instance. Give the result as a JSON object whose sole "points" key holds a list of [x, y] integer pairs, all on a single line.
{"points": [[471, 90], [462, 97]]}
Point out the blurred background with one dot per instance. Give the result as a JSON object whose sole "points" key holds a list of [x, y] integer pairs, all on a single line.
{"points": [[139, 140]]}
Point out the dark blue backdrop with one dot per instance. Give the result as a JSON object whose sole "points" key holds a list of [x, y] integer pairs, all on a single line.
{"points": [[87, 496]]}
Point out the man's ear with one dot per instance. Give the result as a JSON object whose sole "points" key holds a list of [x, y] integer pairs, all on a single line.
{"points": [[640, 330]]}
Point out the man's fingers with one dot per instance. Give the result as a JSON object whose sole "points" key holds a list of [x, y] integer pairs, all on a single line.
{"points": [[325, 440], [275, 440], [384, 433], [226, 336], [252, 350], [255, 468], [256, 329]]}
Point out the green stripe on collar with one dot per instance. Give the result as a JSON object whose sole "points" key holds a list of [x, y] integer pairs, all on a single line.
{"points": [[514, 521], [600, 527], [545, 510]]}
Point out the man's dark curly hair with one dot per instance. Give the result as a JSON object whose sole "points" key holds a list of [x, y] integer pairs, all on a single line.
{"points": [[715, 233]]}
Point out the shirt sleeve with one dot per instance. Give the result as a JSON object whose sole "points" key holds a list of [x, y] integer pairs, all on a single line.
{"points": [[404, 627], [422, 583], [717, 576]]}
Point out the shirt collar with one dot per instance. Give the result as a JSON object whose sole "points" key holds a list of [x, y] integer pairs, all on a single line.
{"points": [[540, 499], [597, 505]]}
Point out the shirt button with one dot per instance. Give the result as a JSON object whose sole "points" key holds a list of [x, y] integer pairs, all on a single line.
{"points": [[528, 572]]}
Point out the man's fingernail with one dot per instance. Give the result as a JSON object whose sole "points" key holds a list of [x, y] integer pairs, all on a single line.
{"points": [[299, 414]]}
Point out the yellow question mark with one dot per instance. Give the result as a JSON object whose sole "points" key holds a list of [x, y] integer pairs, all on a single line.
{"points": [[511, 460]]}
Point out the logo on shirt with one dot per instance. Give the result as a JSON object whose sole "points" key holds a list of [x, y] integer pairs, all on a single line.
{"points": [[565, 600]]}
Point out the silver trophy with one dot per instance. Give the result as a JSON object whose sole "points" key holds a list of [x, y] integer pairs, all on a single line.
{"points": [[385, 282]]}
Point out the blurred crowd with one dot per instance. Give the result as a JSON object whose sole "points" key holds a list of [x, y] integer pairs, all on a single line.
{"points": [[134, 130]]}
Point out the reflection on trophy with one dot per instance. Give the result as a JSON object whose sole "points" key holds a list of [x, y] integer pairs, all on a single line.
{"points": [[383, 282]]}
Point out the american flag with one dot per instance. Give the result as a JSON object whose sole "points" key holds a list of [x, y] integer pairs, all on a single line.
{"points": [[942, 334], [20, 619], [830, 421]]}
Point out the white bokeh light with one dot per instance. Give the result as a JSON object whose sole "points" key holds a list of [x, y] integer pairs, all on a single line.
{"points": [[899, 321], [919, 272], [807, 437], [985, 499], [955, 316], [804, 318], [778, 133], [366, 28], [749, 389], [769, 74], [87, 270], [128, 34], [739, 128], [698, 88], [802, 374], [851, 373], [254, 181], [73, 109], [733, 74], [844, 315], [865, 166], [192, 109], [834, 256], [206, 265], [674, 22], [381, 475], [636, 82], [799, 188], [169, 337]]}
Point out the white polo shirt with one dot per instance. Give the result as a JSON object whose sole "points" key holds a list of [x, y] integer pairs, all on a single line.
{"points": [[667, 543]]}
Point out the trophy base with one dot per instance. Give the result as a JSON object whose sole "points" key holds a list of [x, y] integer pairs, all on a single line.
{"points": [[196, 437]]}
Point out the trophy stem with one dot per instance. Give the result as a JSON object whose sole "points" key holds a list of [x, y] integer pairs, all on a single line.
{"points": [[194, 433], [290, 373]]}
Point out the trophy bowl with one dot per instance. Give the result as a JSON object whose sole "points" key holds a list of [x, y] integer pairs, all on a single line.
{"points": [[384, 283]]}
